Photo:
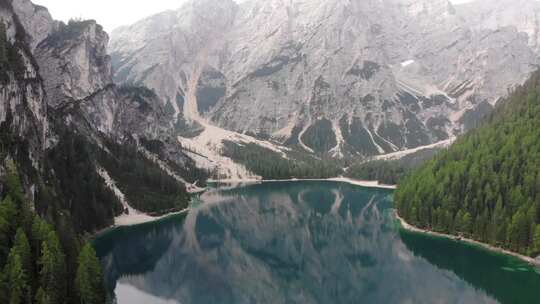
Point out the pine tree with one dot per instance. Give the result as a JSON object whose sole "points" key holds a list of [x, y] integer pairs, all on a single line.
{"points": [[497, 235], [537, 238], [5, 233], [9, 211], [25, 217], [16, 279], [53, 270], [41, 297], [8, 225], [22, 248], [4, 296], [13, 182], [89, 280], [515, 231], [71, 246], [466, 223], [40, 231]]}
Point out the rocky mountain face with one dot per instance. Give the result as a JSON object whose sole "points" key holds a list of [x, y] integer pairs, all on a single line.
{"points": [[524, 15], [23, 110], [331, 76], [77, 138]]}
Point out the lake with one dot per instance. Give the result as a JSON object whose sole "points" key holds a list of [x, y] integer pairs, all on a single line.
{"points": [[302, 242]]}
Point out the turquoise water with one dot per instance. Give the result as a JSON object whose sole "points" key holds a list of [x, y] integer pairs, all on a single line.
{"points": [[302, 242]]}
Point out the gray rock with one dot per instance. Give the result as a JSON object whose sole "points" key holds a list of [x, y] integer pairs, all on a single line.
{"points": [[66, 82], [389, 75]]}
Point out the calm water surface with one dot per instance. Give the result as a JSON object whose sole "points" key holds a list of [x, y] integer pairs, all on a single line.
{"points": [[302, 242]]}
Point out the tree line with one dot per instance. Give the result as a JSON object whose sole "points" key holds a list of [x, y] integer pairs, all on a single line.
{"points": [[37, 267], [386, 172], [389, 172], [147, 187], [73, 187], [272, 165], [486, 186]]}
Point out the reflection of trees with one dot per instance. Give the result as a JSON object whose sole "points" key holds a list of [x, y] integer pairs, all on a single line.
{"points": [[294, 243], [477, 267], [134, 250]]}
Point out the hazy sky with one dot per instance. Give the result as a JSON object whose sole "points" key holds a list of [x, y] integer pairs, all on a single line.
{"points": [[114, 13]]}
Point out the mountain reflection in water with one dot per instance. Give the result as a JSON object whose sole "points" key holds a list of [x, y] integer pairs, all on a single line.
{"points": [[283, 242]]}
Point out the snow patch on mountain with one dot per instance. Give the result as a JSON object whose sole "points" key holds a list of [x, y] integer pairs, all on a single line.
{"points": [[407, 63]]}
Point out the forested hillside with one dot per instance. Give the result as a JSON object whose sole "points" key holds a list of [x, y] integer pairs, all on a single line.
{"points": [[486, 186], [41, 263], [390, 172], [147, 187], [271, 165], [386, 172]]}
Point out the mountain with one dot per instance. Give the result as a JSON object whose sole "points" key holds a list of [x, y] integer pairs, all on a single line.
{"points": [[332, 77], [87, 150], [258, 89], [77, 154], [486, 185], [494, 14]]}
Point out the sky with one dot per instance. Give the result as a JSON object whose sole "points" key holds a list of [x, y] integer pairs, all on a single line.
{"points": [[114, 13]]}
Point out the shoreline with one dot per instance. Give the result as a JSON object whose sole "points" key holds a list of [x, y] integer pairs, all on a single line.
{"points": [[142, 218], [356, 182], [134, 219], [531, 261], [127, 220]]}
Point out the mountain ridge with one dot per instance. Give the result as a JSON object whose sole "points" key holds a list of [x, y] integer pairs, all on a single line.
{"points": [[376, 77], [67, 125]]}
